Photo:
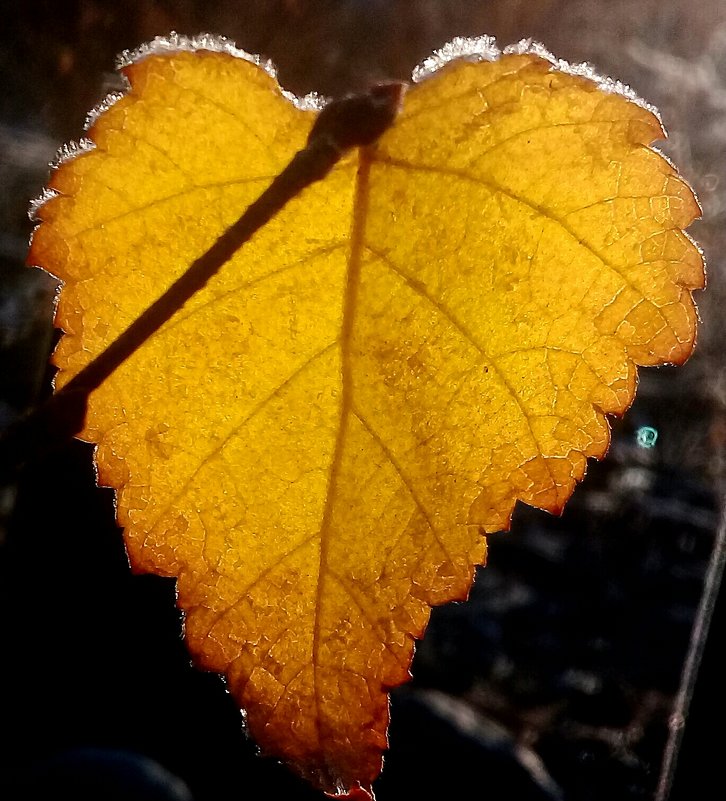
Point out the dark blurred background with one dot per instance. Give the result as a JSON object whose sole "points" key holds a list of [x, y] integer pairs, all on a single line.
{"points": [[557, 679]]}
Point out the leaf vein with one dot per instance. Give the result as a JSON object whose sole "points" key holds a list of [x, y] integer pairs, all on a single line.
{"points": [[187, 190], [423, 292], [239, 425], [405, 480], [263, 574], [368, 617], [301, 262], [495, 187]]}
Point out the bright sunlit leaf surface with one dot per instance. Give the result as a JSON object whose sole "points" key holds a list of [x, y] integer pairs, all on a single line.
{"points": [[317, 442]]}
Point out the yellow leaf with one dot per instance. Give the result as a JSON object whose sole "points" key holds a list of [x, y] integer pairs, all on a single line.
{"points": [[316, 443]]}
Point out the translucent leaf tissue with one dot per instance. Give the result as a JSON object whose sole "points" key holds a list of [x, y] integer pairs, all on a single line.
{"points": [[316, 444]]}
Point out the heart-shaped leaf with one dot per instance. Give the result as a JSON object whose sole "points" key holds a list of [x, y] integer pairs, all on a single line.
{"points": [[316, 443]]}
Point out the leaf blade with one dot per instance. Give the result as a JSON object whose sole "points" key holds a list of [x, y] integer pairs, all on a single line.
{"points": [[372, 383]]}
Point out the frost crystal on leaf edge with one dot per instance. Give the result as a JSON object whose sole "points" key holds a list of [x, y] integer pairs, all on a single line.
{"points": [[176, 42], [582, 70], [72, 150], [100, 108], [485, 48], [38, 202], [481, 48]]}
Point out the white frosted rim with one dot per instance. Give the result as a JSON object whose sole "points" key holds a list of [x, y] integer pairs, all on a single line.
{"points": [[101, 108], [38, 202], [72, 150], [176, 42], [485, 48], [480, 48]]}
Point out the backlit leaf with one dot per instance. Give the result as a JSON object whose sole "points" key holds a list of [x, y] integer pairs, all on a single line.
{"points": [[317, 442]]}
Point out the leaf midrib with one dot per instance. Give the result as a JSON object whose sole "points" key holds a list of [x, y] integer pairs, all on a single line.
{"points": [[359, 216]]}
